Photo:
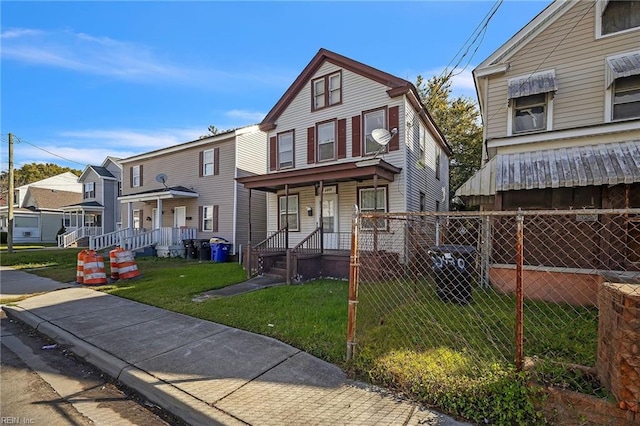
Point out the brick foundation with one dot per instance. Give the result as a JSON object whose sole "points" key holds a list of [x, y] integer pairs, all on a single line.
{"points": [[618, 362]]}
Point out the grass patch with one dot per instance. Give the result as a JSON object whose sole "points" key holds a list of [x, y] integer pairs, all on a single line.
{"points": [[458, 359]]}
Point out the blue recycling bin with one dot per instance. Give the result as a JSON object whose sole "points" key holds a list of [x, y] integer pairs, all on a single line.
{"points": [[219, 249]]}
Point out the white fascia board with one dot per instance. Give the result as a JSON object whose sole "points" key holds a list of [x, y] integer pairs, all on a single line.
{"points": [[627, 126]]}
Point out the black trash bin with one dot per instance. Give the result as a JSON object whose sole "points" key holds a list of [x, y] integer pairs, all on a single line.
{"points": [[204, 250], [453, 267], [190, 249]]}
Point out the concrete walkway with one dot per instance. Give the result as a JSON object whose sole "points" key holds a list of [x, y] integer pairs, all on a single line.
{"points": [[16, 284], [207, 373]]}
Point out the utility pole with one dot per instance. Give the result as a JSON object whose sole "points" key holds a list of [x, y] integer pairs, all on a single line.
{"points": [[10, 200]]}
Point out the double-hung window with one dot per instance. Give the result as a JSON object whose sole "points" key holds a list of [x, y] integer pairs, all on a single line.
{"points": [[373, 120], [285, 150], [326, 141], [207, 162], [326, 91], [135, 176], [626, 97], [210, 218], [622, 81], [373, 201], [531, 102], [423, 144], [289, 212], [89, 190]]}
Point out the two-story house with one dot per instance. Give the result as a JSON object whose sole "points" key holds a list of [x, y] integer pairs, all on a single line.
{"points": [[323, 158], [99, 211], [189, 192], [560, 104]]}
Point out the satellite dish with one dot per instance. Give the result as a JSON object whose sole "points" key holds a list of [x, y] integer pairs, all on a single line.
{"points": [[162, 178], [383, 136]]}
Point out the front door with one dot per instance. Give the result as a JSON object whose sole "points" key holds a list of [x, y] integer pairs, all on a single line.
{"points": [[329, 220], [179, 216]]}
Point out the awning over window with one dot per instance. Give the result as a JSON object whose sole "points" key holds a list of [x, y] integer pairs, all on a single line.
{"points": [[532, 84], [603, 164], [622, 66]]}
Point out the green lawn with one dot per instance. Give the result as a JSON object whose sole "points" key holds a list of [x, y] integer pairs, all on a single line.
{"points": [[435, 352]]}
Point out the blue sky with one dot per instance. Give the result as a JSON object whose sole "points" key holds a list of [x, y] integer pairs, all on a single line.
{"points": [[83, 80]]}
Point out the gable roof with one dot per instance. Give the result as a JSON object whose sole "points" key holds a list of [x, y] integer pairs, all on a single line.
{"points": [[67, 180], [397, 86], [102, 172], [545, 18], [51, 199]]}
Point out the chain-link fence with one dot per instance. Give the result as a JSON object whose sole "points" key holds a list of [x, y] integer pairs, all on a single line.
{"points": [[503, 288]]}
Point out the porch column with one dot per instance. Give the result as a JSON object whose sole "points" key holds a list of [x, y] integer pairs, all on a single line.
{"points": [[375, 210], [159, 218], [248, 250], [321, 224], [130, 215], [286, 214]]}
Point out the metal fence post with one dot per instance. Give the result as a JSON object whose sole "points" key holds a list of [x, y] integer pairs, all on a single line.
{"points": [[353, 285], [519, 290]]}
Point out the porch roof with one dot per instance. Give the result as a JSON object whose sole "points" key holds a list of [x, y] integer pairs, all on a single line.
{"points": [[603, 164], [161, 193], [341, 172], [88, 205]]}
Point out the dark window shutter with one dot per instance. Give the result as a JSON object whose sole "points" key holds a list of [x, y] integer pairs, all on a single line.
{"points": [[311, 145], [141, 179], [342, 138], [394, 144], [215, 218], [273, 154], [200, 217], [131, 177], [355, 136], [201, 164], [216, 161]]}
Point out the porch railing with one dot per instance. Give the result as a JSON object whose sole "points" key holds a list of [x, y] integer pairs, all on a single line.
{"points": [[141, 239], [275, 242], [310, 244], [337, 241], [65, 240], [134, 239]]}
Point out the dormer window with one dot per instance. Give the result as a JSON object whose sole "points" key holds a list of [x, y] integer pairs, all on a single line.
{"points": [[326, 91], [616, 16], [531, 102]]}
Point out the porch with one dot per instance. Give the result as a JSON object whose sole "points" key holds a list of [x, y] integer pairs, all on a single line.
{"points": [[313, 210]]}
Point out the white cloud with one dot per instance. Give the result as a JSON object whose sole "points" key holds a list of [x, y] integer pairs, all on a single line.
{"points": [[125, 60], [247, 117]]}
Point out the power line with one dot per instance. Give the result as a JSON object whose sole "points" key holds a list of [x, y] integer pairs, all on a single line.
{"points": [[20, 140], [546, 57]]}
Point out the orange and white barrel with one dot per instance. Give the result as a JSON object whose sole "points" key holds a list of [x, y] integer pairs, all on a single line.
{"points": [[93, 269], [80, 267], [113, 262], [127, 267]]}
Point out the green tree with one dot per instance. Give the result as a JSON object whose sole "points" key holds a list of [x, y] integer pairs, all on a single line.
{"points": [[30, 173], [459, 120]]}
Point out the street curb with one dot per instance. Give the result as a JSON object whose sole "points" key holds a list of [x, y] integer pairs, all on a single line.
{"points": [[22, 315], [165, 395]]}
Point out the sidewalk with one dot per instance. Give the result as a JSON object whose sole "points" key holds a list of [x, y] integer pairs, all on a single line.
{"points": [[207, 373]]}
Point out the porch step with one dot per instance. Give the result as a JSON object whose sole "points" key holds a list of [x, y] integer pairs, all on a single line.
{"points": [[275, 271]]}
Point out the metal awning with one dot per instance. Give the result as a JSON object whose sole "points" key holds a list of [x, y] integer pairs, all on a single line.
{"points": [[532, 84], [483, 182], [620, 66], [602, 164]]}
